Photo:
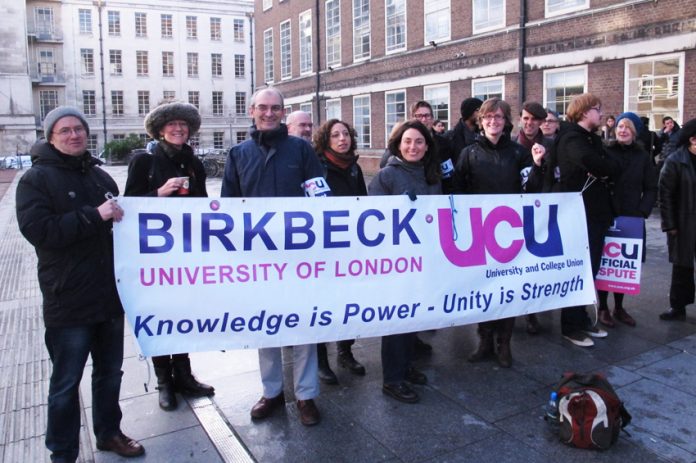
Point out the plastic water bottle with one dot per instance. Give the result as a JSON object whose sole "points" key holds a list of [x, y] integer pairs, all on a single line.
{"points": [[552, 408]]}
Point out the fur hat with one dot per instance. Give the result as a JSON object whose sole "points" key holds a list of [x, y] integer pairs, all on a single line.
{"points": [[535, 109], [58, 113], [174, 111], [469, 106], [633, 117]]}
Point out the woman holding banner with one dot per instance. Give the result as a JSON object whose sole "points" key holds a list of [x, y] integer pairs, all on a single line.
{"points": [[634, 195], [413, 170], [495, 164], [335, 145], [171, 170]]}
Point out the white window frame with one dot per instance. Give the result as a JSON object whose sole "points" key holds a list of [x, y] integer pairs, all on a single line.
{"points": [[445, 90], [267, 4], [435, 8], [487, 81], [304, 37], [360, 129], [268, 55], [679, 115], [398, 116], [333, 33], [332, 109], [307, 107], [361, 31], [238, 30], [549, 72], [285, 39], [395, 28], [216, 65], [239, 66], [577, 6], [140, 24], [142, 63], [113, 27], [167, 64], [86, 61], [85, 21], [489, 27], [215, 28], [192, 64], [192, 27]]}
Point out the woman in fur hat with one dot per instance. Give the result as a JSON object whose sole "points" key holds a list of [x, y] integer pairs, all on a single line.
{"points": [[171, 170]]}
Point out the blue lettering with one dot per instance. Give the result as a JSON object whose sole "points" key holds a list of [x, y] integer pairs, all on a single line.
{"points": [[304, 229], [329, 228], [146, 233]]}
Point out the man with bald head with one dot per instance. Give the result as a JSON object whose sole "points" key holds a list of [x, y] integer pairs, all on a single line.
{"points": [[273, 164], [299, 125]]}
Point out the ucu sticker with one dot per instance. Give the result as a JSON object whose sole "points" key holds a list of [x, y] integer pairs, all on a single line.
{"points": [[316, 186], [613, 249], [447, 168], [483, 235]]}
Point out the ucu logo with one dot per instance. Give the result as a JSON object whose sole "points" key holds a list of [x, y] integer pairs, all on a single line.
{"points": [[483, 235], [613, 249]]}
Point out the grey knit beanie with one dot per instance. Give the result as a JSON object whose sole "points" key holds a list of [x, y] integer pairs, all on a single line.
{"points": [[58, 113], [175, 111]]}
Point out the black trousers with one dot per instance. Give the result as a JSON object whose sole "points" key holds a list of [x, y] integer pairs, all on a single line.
{"points": [[397, 354], [681, 289]]}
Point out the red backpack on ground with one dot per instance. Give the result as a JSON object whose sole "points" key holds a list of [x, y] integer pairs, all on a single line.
{"points": [[590, 414]]}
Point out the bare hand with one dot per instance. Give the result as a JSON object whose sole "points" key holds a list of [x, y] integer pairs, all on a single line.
{"points": [[170, 187], [538, 152], [110, 210]]}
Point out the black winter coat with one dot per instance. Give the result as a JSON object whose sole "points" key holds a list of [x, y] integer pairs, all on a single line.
{"points": [[635, 189], [344, 182], [459, 138], [147, 172], [678, 206], [57, 202]]}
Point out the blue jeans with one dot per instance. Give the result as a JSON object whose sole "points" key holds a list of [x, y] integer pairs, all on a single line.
{"points": [[68, 348]]}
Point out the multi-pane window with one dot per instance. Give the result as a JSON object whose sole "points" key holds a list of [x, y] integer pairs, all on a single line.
{"points": [[488, 14], [216, 64], [141, 24], [361, 120], [192, 64], [141, 63], [85, 17], [268, 55], [556, 7], [333, 109], [47, 63], [437, 20], [48, 100], [117, 102], [44, 20], [654, 87], [333, 32], [240, 105], [238, 29], [87, 61], [168, 63], [191, 27], [306, 107], [395, 110], [194, 98], [143, 102], [166, 26], [114, 21], [484, 89], [218, 140], [115, 62], [218, 106], [560, 86], [168, 95], [285, 50], [92, 142], [241, 136], [395, 25], [118, 136], [239, 70], [215, 29], [438, 97], [305, 40], [361, 29], [89, 102]]}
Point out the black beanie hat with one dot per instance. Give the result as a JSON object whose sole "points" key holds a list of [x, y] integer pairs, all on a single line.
{"points": [[469, 106]]}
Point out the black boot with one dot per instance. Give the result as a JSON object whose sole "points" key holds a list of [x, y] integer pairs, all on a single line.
{"points": [[532, 324], [326, 375], [346, 360], [505, 327], [485, 348], [165, 386], [674, 313], [186, 383]]}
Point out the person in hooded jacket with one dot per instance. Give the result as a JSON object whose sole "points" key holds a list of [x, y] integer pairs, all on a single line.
{"points": [[65, 209], [495, 164], [172, 170], [413, 169]]}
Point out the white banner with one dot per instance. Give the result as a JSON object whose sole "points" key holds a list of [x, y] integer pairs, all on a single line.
{"points": [[200, 274]]}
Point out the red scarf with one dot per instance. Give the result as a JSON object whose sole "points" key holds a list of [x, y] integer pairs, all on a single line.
{"points": [[343, 161]]}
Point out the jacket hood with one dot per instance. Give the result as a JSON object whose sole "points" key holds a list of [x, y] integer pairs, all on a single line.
{"points": [[43, 153]]}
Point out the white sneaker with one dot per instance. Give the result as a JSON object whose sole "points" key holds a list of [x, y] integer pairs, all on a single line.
{"points": [[579, 339], [595, 332]]}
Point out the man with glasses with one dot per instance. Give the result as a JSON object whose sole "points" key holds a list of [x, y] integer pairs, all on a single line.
{"points": [[66, 211], [273, 164], [550, 125]]}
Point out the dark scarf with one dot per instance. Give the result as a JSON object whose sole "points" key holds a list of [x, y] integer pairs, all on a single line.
{"points": [[343, 161], [269, 138], [81, 163]]}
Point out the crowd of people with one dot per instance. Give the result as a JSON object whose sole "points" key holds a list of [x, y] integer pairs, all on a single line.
{"points": [[66, 208]]}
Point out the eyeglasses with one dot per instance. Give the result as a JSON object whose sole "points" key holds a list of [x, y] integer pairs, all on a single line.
{"points": [[596, 108], [422, 115], [264, 108], [67, 131], [183, 124], [493, 117]]}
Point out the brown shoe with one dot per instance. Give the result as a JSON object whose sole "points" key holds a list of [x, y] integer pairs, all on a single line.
{"points": [[605, 318], [122, 445], [621, 315], [309, 413], [264, 407]]}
